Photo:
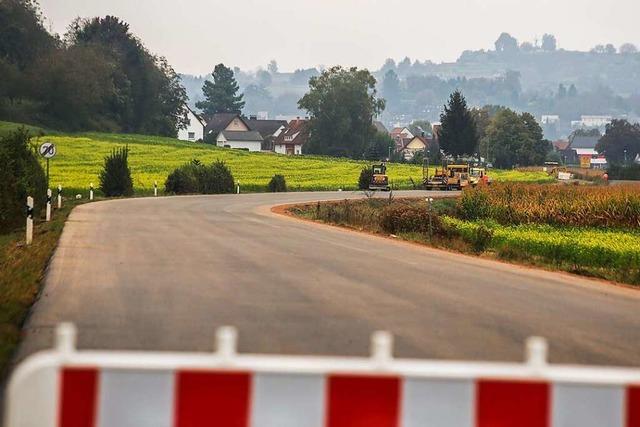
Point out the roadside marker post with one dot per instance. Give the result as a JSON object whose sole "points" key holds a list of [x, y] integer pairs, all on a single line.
{"points": [[429, 203], [106, 388], [48, 215], [29, 238], [91, 191], [238, 188], [59, 196], [155, 188]]}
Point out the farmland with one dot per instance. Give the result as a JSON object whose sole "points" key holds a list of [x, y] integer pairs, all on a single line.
{"points": [[80, 159], [591, 231]]}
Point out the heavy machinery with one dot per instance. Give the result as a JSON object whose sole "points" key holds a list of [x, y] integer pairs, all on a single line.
{"points": [[448, 177], [478, 176], [379, 180]]}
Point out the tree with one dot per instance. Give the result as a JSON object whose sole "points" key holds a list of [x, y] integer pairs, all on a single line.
{"points": [[620, 143], [221, 93], [549, 42], [391, 86], [380, 147], [527, 47], [264, 78], [420, 127], [610, 49], [573, 91], [147, 96], [257, 98], [458, 134], [562, 91], [513, 139], [341, 103], [598, 49], [273, 67], [506, 44], [628, 49]]}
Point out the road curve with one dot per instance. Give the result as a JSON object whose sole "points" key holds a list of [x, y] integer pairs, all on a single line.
{"points": [[163, 273]]}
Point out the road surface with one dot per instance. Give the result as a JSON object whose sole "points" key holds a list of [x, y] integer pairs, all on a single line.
{"points": [[163, 273]]}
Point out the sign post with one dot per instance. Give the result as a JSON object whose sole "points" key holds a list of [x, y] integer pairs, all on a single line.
{"points": [[47, 150], [48, 205], [29, 220]]}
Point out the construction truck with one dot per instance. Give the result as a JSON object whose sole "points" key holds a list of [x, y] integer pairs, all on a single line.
{"points": [[447, 177], [478, 176], [379, 180]]}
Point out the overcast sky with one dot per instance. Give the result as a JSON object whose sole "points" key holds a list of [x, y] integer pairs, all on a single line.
{"points": [[195, 35]]}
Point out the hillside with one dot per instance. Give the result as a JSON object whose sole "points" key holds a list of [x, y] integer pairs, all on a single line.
{"points": [[80, 158]]}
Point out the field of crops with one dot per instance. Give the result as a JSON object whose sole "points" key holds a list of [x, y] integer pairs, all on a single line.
{"points": [[579, 206], [586, 247], [80, 158]]}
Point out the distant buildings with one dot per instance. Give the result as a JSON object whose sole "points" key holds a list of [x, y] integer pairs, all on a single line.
{"points": [[580, 150], [591, 122]]}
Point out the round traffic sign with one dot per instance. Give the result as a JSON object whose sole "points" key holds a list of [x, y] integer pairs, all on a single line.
{"points": [[47, 150]]}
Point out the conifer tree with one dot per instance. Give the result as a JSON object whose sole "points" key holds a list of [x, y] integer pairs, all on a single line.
{"points": [[458, 134], [221, 93]]}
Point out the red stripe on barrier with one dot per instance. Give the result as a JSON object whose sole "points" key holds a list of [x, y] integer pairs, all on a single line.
{"points": [[78, 397], [512, 404], [212, 398], [633, 406], [365, 401]]}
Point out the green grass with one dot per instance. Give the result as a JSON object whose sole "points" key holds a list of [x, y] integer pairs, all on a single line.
{"points": [[21, 271], [81, 156]]}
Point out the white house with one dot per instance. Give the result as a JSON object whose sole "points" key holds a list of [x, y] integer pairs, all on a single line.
{"points": [[244, 140], [292, 138], [194, 131]]}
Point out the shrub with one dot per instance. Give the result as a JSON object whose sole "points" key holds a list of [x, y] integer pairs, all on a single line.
{"points": [[194, 177], [624, 172], [366, 175], [115, 178], [277, 184], [400, 217], [183, 180], [21, 175]]}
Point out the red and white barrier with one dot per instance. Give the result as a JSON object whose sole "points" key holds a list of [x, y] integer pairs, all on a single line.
{"points": [[69, 388]]}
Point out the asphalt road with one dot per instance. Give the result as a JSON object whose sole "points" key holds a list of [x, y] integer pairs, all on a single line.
{"points": [[163, 273]]}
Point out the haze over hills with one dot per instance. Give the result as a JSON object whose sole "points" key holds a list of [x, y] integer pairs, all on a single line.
{"points": [[534, 77]]}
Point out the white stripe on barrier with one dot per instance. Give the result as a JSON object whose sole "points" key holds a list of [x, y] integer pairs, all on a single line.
{"points": [[438, 403], [135, 399], [288, 400], [587, 406]]}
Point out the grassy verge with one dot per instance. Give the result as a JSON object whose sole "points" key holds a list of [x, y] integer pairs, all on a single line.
{"points": [[611, 254], [21, 271]]}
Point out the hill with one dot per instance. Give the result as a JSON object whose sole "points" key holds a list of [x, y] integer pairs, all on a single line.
{"points": [[80, 158]]}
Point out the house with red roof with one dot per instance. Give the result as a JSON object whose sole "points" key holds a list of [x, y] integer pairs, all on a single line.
{"points": [[292, 138]]}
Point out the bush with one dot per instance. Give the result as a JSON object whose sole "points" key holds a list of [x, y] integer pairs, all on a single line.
{"points": [[194, 177], [115, 178], [628, 172], [278, 184], [183, 180], [400, 217], [21, 175], [366, 176]]}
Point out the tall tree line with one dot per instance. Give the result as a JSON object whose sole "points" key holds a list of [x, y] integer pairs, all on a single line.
{"points": [[98, 77]]}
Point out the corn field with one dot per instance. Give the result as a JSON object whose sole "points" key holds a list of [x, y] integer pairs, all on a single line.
{"points": [[578, 206]]}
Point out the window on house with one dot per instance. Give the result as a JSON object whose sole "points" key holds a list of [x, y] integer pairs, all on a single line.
{"points": [[192, 135]]}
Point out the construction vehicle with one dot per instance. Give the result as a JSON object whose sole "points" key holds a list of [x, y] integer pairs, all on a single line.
{"points": [[379, 180], [478, 176], [448, 177]]}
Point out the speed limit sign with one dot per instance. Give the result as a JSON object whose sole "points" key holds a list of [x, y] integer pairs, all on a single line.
{"points": [[47, 150]]}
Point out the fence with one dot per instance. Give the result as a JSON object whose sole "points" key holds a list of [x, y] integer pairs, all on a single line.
{"points": [[68, 388]]}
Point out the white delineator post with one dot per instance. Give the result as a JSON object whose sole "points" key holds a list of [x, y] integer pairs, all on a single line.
{"points": [[155, 188], [238, 188], [59, 196], [29, 220], [48, 205], [91, 191]]}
